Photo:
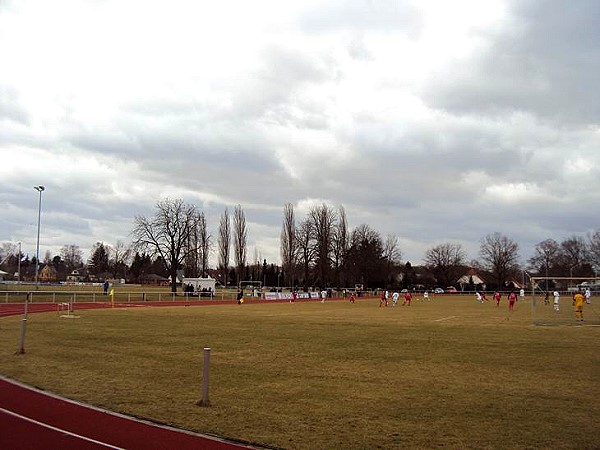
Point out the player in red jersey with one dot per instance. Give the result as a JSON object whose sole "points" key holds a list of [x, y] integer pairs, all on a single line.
{"points": [[512, 298], [382, 299], [407, 298], [497, 297]]}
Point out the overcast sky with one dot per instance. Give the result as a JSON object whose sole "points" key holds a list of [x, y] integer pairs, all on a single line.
{"points": [[434, 121]]}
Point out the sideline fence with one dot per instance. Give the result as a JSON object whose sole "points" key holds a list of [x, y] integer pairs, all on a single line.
{"points": [[99, 297]]}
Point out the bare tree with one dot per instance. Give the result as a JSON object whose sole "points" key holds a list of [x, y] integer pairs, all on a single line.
{"points": [[573, 253], [305, 248], [545, 257], [224, 243], [391, 255], [323, 220], [166, 234], [594, 250], [365, 260], [204, 244], [6, 250], [72, 257], [198, 247], [119, 256], [340, 242], [287, 244], [239, 240], [444, 260], [499, 254], [192, 263]]}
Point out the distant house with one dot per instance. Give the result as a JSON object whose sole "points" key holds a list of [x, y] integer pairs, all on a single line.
{"points": [[154, 280], [513, 284], [75, 277], [48, 274], [471, 280]]}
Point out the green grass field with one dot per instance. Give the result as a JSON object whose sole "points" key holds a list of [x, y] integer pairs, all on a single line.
{"points": [[448, 373]]}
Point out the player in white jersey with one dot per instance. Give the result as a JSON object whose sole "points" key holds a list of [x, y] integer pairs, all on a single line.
{"points": [[395, 297], [588, 296], [556, 301]]}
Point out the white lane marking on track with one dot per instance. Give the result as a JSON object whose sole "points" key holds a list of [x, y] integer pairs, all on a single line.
{"points": [[445, 318], [60, 430]]}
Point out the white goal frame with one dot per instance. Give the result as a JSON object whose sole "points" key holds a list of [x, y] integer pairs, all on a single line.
{"points": [[564, 316]]}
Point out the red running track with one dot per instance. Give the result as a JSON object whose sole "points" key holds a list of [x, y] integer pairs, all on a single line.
{"points": [[33, 419]]}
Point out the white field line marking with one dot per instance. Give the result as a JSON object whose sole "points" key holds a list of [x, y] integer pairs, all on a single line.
{"points": [[445, 318], [60, 430]]}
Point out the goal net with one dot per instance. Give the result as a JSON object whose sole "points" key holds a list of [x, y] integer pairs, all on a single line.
{"points": [[548, 308]]}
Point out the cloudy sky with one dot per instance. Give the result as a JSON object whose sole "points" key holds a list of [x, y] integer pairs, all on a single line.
{"points": [[434, 121]]}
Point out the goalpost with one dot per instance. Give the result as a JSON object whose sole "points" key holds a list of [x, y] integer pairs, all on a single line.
{"points": [[544, 309]]}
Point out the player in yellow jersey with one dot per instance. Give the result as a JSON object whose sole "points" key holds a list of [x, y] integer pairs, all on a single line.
{"points": [[578, 302]]}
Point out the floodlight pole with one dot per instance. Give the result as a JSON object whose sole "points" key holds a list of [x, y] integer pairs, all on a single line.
{"points": [[40, 189], [19, 265]]}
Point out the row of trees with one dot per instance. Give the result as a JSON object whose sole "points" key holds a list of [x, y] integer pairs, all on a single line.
{"points": [[105, 261], [316, 250]]}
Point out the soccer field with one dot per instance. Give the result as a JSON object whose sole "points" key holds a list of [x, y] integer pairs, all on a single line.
{"points": [[445, 373]]}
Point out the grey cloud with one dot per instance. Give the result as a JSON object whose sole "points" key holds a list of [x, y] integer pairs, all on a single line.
{"points": [[11, 107], [548, 68], [380, 16]]}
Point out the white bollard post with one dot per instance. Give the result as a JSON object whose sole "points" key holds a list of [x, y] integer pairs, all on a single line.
{"points": [[205, 401], [21, 347]]}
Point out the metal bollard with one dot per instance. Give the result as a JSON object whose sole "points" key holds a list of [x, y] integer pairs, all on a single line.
{"points": [[205, 401]]}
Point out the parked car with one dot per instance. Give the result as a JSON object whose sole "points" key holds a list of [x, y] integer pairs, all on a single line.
{"points": [[438, 291], [451, 290]]}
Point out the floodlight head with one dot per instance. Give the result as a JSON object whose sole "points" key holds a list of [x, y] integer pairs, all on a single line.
{"points": [[39, 188]]}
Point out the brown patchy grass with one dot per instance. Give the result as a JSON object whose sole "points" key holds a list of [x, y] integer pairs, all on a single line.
{"points": [[449, 373]]}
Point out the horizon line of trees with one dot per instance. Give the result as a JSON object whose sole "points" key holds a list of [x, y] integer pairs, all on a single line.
{"points": [[316, 250]]}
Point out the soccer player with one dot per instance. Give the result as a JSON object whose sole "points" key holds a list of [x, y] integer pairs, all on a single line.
{"points": [[588, 296], [478, 297], [497, 297], [578, 301], [546, 301], [323, 295], [512, 298], [395, 297], [407, 298], [382, 299], [352, 297], [483, 297], [556, 301], [425, 295]]}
